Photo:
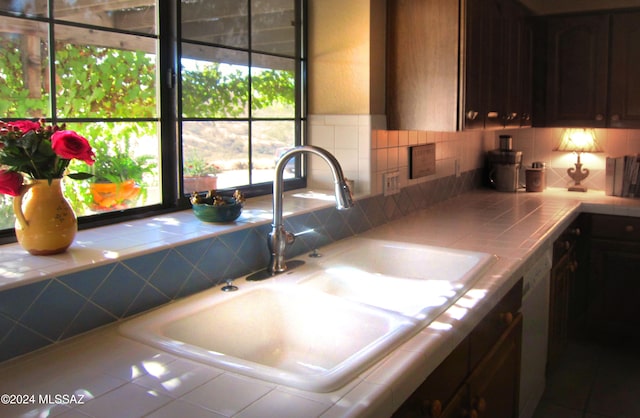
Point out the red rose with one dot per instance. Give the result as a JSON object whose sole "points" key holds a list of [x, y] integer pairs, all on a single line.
{"points": [[26, 125], [10, 182], [70, 145]]}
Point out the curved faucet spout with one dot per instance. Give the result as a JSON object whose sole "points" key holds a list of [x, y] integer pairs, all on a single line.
{"points": [[279, 238]]}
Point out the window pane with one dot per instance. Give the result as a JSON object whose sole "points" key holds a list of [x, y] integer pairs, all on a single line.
{"points": [[270, 140], [129, 16], [216, 22], [273, 87], [102, 74], [126, 171], [215, 82], [273, 27], [216, 148], [27, 7], [24, 69]]}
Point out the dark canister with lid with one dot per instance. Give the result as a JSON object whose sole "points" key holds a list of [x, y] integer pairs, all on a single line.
{"points": [[535, 177]]}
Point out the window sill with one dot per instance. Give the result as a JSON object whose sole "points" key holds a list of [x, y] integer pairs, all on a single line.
{"points": [[94, 247]]}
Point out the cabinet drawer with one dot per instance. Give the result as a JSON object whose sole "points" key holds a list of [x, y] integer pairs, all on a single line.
{"points": [[485, 335], [436, 393], [624, 228]]}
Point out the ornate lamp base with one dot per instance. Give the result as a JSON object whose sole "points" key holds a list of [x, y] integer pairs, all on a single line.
{"points": [[578, 174]]}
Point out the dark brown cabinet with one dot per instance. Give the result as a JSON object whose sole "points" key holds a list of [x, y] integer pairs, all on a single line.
{"points": [[422, 64], [567, 290], [614, 278], [498, 65], [481, 376], [591, 65], [494, 386], [430, 84], [561, 284], [624, 109], [577, 55]]}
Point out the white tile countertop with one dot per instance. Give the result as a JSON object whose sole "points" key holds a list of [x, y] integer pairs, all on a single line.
{"points": [[102, 374]]}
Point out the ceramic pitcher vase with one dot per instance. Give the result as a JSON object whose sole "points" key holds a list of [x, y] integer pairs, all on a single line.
{"points": [[45, 222]]}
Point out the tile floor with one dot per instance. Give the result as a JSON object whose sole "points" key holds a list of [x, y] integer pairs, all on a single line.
{"points": [[594, 380]]}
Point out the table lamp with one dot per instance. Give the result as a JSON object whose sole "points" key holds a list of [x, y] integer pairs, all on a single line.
{"points": [[578, 140]]}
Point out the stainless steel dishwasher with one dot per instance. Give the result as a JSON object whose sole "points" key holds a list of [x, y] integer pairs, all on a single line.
{"points": [[535, 327]]}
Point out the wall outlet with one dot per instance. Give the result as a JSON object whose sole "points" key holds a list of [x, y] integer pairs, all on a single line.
{"points": [[390, 183]]}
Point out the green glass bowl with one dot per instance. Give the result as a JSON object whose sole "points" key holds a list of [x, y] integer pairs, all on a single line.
{"points": [[207, 212]]}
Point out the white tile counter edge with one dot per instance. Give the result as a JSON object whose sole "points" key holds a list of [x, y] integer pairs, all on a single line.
{"points": [[99, 358]]}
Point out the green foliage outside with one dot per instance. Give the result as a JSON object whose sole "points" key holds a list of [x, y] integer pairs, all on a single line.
{"points": [[97, 82]]}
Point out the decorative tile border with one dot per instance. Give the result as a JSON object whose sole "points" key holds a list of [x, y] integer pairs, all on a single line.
{"points": [[44, 313]]}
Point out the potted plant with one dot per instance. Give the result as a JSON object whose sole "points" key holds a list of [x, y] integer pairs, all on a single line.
{"points": [[199, 175], [118, 176]]}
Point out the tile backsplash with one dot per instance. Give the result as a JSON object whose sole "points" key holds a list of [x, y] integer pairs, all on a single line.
{"points": [[538, 144], [42, 313]]}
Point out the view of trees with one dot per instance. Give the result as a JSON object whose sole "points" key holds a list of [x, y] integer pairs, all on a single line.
{"points": [[106, 83]]}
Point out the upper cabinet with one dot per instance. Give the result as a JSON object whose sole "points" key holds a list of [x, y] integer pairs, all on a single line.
{"points": [[458, 65], [422, 64], [592, 62], [624, 100], [498, 65], [576, 87]]}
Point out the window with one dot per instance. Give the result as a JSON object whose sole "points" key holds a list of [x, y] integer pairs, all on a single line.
{"points": [[174, 97]]}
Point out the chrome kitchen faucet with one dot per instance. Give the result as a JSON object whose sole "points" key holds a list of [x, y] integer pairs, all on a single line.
{"points": [[279, 238]]}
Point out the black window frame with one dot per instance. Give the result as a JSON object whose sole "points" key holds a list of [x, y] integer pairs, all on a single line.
{"points": [[170, 116]]}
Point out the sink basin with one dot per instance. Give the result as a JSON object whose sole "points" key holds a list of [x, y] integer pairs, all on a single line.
{"points": [[415, 280], [280, 333]]}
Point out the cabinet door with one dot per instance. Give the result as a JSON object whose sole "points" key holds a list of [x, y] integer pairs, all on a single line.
{"points": [[625, 67], [577, 70], [496, 63], [615, 288], [474, 73], [494, 387], [422, 64], [562, 278], [497, 68], [439, 393], [519, 98]]}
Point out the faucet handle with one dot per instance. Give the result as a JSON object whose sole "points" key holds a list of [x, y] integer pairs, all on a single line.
{"points": [[290, 237], [229, 287]]}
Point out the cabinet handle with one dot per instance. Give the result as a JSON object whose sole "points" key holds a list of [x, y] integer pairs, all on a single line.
{"points": [[481, 405], [576, 232], [432, 409], [507, 318], [472, 413], [628, 228], [492, 115], [599, 117], [472, 115], [615, 117]]}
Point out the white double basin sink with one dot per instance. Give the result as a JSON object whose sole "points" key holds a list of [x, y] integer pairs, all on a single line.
{"points": [[320, 325]]}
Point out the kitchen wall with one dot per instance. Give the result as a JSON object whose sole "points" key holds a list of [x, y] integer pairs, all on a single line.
{"points": [[346, 117]]}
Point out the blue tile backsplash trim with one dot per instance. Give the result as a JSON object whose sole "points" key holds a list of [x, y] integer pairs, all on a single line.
{"points": [[43, 313]]}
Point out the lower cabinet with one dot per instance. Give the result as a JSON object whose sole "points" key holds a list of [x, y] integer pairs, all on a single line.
{"points": [[614, 310], [481, 377], [561, 284]]}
